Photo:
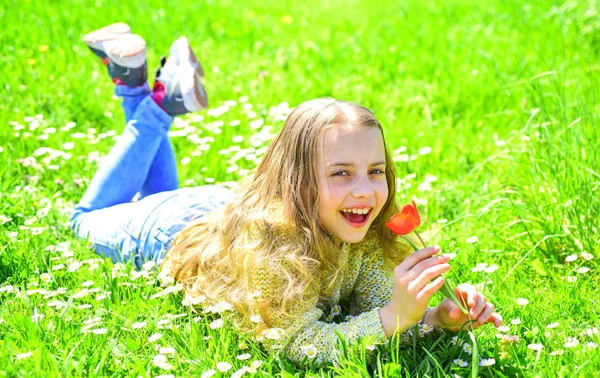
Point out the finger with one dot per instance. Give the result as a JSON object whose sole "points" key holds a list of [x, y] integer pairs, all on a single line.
{"points": [[414, 258], [455, 312], [468, 293], [480, 305], [427, 292], [487, 312], [429, 262], [496, 319], [427, 275], [450, 308]]}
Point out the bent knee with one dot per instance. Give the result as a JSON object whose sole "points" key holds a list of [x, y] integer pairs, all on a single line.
{"points": [[75, 220]]}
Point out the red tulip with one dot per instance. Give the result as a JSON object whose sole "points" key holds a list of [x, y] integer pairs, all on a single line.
{"points": [[406, 221]]}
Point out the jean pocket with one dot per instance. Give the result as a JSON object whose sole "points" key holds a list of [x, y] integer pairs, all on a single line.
{"points": [[164, 237]]}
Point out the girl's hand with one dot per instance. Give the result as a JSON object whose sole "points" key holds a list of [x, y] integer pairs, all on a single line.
{"points": [[480, 311], [413, 288]]}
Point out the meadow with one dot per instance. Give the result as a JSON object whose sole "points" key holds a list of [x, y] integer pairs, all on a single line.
{"points": [[490, 108]]}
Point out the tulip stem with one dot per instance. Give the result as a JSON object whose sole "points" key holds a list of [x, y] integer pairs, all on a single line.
{"points": [[446, 289], [420, 238]]}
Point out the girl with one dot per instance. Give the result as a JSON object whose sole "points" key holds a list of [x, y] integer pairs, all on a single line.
{"points": [[299, 244]]}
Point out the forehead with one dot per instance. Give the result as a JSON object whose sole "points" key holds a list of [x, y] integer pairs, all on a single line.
{"points": [[351, 143]]}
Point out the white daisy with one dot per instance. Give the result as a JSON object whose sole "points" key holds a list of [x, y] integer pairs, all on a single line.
{"points": [[571, 258], [23, 356], [216, 324], [536, 347], [571, 342], [583, 270], [309, 351], [166, 350], [256, 319], [461, 362], [99, 331], [139, 325], [208, 373], [224, 366], [159, 359], [487, 362], [586, 256], [522, 301], [472, 239], [467, 348]]}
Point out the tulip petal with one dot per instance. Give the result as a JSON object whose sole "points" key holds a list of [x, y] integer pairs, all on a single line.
{"points": [[406, 221]]}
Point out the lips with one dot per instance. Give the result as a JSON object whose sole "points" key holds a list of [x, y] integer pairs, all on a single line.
{"points": [[356, 220]]}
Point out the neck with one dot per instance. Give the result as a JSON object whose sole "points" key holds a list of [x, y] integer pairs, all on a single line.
{"points": [[337, 241]]}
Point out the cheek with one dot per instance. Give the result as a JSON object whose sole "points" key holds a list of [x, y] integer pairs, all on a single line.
{"points": [[382, 194], [330, 194]]}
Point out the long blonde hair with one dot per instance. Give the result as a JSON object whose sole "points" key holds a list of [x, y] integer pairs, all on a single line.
{"points": [[217, 255]]}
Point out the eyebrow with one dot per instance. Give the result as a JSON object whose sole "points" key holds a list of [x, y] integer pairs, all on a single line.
{"points": [[344, 164]]}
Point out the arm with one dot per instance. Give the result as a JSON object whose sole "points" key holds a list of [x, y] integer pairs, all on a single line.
{"points": [[414, 281], [480, 311], [306, 337], [323, 337], [374, 287], [386, 303]]}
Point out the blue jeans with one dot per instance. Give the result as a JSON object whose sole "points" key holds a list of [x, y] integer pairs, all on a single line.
{"points": [[142, 161]]}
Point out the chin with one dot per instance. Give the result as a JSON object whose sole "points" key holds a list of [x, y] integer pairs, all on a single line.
{"points": [[351, 239]]}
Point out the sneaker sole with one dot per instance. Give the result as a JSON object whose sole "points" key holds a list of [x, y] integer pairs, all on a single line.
{"points": [[192, 90], [195, 61], [116, 41], [125, 50], [107, 33]]}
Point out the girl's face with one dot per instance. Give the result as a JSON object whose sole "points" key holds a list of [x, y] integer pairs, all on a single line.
{"points": [[352, 182]]}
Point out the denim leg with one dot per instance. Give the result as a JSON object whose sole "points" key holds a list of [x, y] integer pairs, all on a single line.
{"points": [[123, 172], [140, 231], [162, 175], [131, 98], [118, 232], [105, 216]]}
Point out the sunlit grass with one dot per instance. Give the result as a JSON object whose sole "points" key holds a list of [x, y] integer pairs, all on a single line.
{"points": [[490, 109]]}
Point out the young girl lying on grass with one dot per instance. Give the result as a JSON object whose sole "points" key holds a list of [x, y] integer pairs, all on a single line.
{"points": [[301, 243]]}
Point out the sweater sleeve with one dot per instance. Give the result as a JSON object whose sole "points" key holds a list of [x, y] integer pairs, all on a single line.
{"points": [[373, 288], [301, 330], [307, 337], [374, 284]]}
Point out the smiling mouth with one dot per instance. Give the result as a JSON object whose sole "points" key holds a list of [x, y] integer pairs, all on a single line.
{"points": [[356, 219]]}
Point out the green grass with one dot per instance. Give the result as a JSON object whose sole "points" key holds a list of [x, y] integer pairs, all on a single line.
{"points": [[504, 93]]}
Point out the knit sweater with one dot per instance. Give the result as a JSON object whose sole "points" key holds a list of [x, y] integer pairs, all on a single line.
{"points": [[364, 287], [311, 327]]}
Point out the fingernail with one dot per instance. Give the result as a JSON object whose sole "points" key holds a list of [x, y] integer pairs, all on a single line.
{"points": [[437, 248]]}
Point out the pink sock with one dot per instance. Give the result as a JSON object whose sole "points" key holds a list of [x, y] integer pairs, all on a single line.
{"points": [[158, 93], [119, 82]]}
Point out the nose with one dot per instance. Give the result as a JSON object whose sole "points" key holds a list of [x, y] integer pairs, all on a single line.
{"points": [[363, 188]]}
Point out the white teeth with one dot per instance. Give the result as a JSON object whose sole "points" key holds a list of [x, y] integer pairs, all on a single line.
{"points": [[357, 211]]}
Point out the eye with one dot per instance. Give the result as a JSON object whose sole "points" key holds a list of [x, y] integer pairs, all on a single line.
{"points": [[341, 173], [377, 171]]}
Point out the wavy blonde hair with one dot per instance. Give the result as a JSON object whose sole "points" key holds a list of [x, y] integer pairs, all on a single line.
{"points": [[217, 257]]}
